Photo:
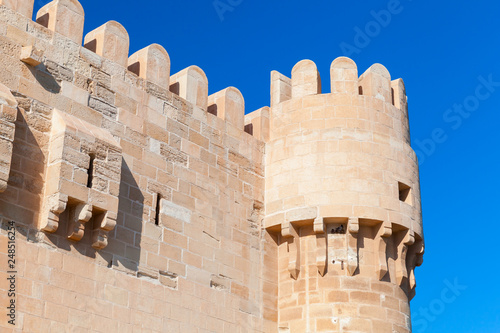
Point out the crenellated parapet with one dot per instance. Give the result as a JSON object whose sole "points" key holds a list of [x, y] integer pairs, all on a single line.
{"points": [[100, 83], [118, 146], [151, 64]]}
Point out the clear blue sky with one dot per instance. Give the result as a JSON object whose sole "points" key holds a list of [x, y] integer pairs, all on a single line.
{"points": [[439, 48]]}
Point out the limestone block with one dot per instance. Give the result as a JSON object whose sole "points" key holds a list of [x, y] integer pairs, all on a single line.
{"points": [[152, 63], [404, 239], [281, 88], [376, 82], [305, 79], [191, 84], [229, 105], [352, 245], [110, 41], [65, 17], [259, 122], [86, 192], [23, 7], [291, 233], [31, 55], [8, 114], [415, 258], [321, 246], [399, 95], [344, 76], [302, 214], [382, 238]]}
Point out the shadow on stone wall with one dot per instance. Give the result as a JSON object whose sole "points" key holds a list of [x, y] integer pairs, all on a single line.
{"points": [[22, 199]]}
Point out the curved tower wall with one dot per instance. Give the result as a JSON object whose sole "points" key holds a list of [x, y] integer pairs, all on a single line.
{"points": [[343, 199]]}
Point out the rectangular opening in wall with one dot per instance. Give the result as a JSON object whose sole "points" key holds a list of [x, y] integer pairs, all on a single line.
{"points": [[135, 68], [249, 129], [90, 171], [404, 193], [212, 109], [157, 209], [175, 88], [43, 20]]}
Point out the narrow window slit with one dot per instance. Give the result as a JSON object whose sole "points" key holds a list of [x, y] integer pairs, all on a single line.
{"points": [[90, 171], [157, 211]]}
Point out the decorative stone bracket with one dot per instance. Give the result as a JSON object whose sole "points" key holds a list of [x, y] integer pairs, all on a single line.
{"points": [[290, 233], [321, 246], [82, 177], [415, 258], [294, 220], [407, 239], [409, 250], [78, 215], [352, 245], [383, 236]]}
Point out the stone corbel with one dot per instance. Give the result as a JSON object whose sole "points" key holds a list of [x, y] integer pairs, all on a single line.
{"points": [[401, 270], [382, 238], [79, 214], [352, 245], [103, 224], [290, 233], [415, 258], [56, 204], [321, 245]]}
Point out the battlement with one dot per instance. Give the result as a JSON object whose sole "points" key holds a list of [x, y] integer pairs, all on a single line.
{"points": [[134, 188], [305, 81], [152, 66], [148, 68]]}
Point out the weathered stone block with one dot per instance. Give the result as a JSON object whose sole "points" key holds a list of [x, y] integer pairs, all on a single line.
{"points": [[31, 55]]}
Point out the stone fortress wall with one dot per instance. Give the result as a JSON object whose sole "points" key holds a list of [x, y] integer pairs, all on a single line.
{"points": [[144, 204]]}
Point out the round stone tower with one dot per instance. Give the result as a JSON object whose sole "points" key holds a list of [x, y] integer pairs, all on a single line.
{"points": [[343, 200]]}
